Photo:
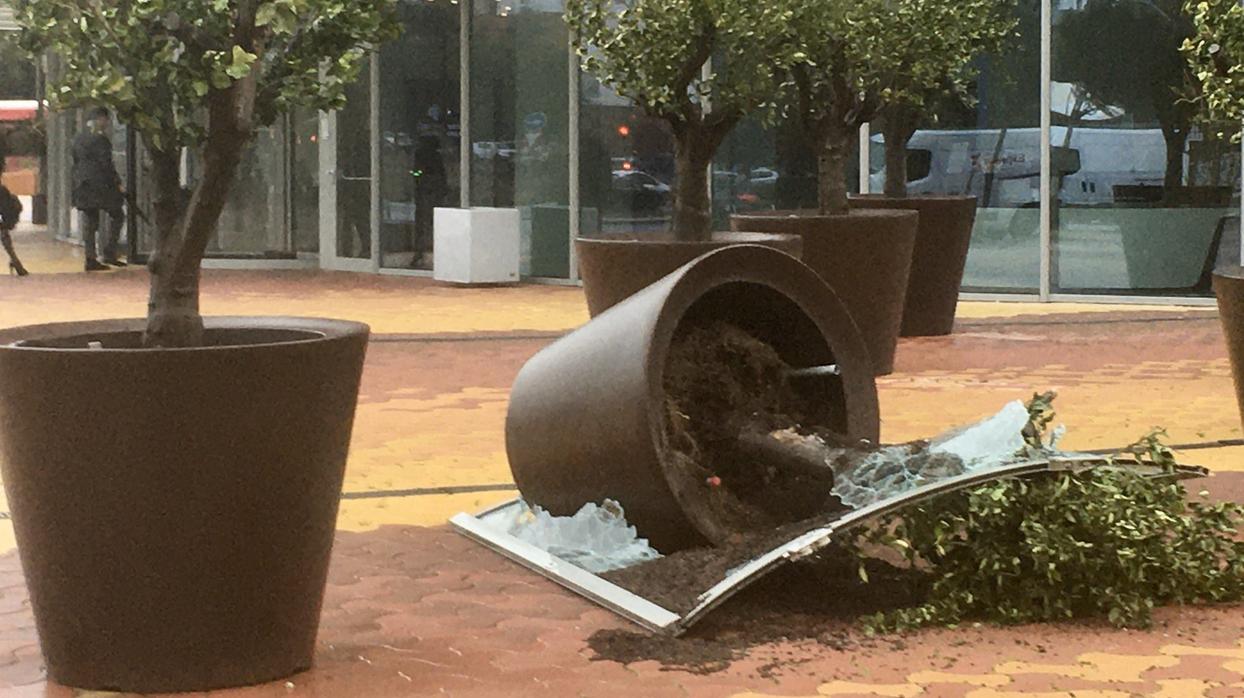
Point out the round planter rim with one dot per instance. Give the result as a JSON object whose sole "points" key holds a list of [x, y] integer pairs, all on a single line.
{"points": [[1232, 272], [913, 197], [812, 214], [720, 239], [318, 329]]}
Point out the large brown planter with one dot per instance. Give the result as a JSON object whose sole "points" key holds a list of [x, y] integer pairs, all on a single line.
{"points": [[865, 256], [587, 416], [175, 508], [943, 236], [1229, 288], [615, 267]]}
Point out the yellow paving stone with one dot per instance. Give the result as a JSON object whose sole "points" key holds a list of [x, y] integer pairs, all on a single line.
{"points": [[1194, 651], [422, 510], [850, 688], [1076, 693], [1228, 459], [1095, 666], [1099, 411], [437, 441], [429, 309], [42, 254], [925, 678], [8, 540], [969, 310], [751, 694], [1237, 667], [1184, 688]]}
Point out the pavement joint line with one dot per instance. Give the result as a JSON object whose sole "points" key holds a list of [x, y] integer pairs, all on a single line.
{"points": [[399, 338], [425, 491], [1198, 446]]}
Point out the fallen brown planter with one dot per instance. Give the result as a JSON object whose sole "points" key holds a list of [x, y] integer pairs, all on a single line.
{"points": [[175, 508], [943, 236], [865, 256], [1229, 288], [586, 419], [615, 267]]}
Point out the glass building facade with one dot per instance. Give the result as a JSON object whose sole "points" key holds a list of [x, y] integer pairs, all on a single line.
{"points": [[1092, 176]]}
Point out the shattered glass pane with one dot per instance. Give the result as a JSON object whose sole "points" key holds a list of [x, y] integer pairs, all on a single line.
{"points": [[596, 538], [895, 470]]}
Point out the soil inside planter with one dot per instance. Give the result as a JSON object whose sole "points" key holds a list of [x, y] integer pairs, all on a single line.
{"points": [[817, 601], [721, 384]]}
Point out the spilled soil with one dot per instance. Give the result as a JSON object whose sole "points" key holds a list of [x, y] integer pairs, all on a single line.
{"points": [[816, 601]]}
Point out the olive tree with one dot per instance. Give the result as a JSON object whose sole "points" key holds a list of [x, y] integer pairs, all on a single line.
{"points": [[202, 75], [658, 53], [1215, 52], [859, 60]]}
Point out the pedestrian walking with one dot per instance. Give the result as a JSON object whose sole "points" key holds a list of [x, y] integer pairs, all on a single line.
{"points": [[97, 189], [10, 214]]}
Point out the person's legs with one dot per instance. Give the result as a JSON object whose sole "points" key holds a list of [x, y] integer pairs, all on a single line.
{"points": [[15, 264], [116, 219], [90, 228]]}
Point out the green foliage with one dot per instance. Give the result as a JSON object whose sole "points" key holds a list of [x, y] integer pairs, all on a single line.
{"points": [[1040, 415], [157, 62], [17, 70], [894, 52], [1215, 51], [1103, 543], [653, 52]]}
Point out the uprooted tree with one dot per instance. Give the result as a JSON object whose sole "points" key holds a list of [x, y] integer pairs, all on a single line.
{"points": [[202, 75], [658, 52]]}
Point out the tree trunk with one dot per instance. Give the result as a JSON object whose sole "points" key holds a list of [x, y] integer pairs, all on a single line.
{"points": [[898, 130], [1176, 138], [173, 318], [693, 219], [833, 151], [987, 186]]}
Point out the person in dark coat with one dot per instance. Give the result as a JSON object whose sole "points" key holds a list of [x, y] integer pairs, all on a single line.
{"points": [[10, 213], [97, 189]]}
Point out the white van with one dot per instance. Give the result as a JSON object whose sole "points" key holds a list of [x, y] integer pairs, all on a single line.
{"points": [[1096, 160]]}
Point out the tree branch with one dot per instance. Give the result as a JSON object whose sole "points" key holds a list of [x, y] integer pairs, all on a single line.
{"points": [[689, 70]]}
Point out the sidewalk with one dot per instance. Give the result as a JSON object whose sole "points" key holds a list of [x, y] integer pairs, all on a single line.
{"points": [[413, 609]]}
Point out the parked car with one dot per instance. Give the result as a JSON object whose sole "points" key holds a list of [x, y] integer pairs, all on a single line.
{"points": [[639, 191]]}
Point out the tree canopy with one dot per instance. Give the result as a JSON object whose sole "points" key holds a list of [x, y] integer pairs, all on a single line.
{"points": [[653, 52], [204, 75], [157, 62], [856, 58]]}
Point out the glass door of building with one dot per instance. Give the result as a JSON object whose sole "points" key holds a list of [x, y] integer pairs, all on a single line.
{"points": [[349, 238]]}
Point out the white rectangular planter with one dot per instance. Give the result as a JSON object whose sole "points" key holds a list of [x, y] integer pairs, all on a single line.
{"points": [[475, 245]]}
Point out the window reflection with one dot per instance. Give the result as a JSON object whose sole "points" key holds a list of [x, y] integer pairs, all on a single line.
{"points": [[420, 130], [626, 162], [520, 124], [989, 149], [1152, 188]]}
